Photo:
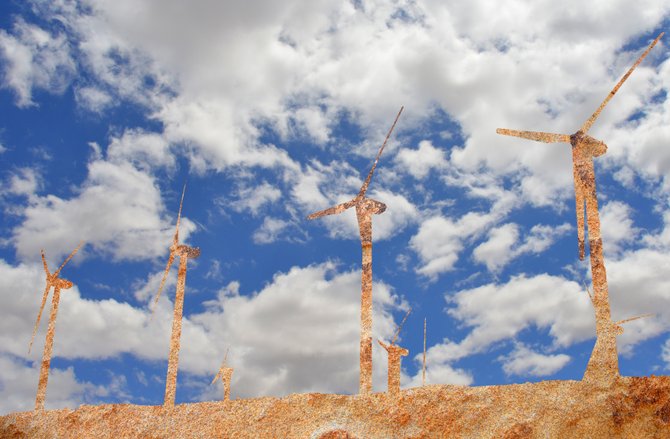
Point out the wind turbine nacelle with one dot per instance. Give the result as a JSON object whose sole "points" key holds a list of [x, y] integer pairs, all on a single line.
{"points": [[373, 206], [587, 145], [63, 284], [189, 252]]}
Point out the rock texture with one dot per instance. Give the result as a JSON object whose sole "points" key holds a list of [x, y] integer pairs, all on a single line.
{"points": [[631, 408]]}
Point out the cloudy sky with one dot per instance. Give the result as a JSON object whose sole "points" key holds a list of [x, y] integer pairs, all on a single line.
{"points": [[270, 111]]}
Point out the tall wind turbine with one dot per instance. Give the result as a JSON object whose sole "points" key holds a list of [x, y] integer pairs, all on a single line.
{"points": [[185, 253], [57, 283], [603, 365], [365, 208]]}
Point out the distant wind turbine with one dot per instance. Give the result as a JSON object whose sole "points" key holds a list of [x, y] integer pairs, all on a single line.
{"points": [[185, 253], [395, 353], [53, 280], [365, 208], [225, 374]]}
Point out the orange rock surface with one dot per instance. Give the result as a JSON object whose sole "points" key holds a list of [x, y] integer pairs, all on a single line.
{"points": [[631, 407]]}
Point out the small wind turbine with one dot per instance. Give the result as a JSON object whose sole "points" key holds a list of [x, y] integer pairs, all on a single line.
{"points": [[225, 373], [365, 208], [603, 365], [57, 283], [185, 253], [395, 353], [618, 329], [423, 376]]}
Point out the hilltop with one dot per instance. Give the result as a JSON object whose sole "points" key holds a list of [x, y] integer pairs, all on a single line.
{"points": [[632, 407]]}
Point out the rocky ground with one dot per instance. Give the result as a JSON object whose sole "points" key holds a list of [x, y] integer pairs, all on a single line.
{"points": [[632, 407]]}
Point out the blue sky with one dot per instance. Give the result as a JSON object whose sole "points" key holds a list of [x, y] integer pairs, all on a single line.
{"points": [[270, 112]]}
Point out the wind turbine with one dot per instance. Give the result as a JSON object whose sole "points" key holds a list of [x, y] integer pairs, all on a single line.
{"points": [[225, 373], [603, 365], [423, 376], [365, 208], [395, 353], [185, 253], [57, 283]]}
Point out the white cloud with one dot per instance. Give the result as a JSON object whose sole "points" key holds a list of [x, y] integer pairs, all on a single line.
{"points": [[616, 227], [270, 230], [18, 387], [299, 333], [638, 284], [523, 361], [117, 211], [497, 250], [298, 330], [436, 374], [499, 312], [35, 58], [253, 198], [439, 240], [24, 181], [145, 150], [93, 99], [665, 354], [502, 245], [418, 162]]}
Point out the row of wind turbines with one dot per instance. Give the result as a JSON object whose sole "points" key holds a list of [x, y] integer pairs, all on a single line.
{"points": [[602, 368]]}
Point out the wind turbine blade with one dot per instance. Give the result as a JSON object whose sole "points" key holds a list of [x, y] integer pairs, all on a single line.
{"points": [[332, 210], [160, 289], [44, 262], [535, 135], [364, 188], [591, 120], [181, 203], [74, 252], [588, 292], [579, 207], [39, 315], [397, 333], [634, 318]]}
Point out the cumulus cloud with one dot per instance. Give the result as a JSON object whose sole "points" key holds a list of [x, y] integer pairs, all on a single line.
{"points": [[35, 59], [299, 333], [502, 245], [418, 162], [439, 240], [499, 312], [496, 251], [616, 227], [93, 99], [18, 387], [145, 150], [24, 181], [117, 212], [270, 230], [523, 361], [253, 198]]}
